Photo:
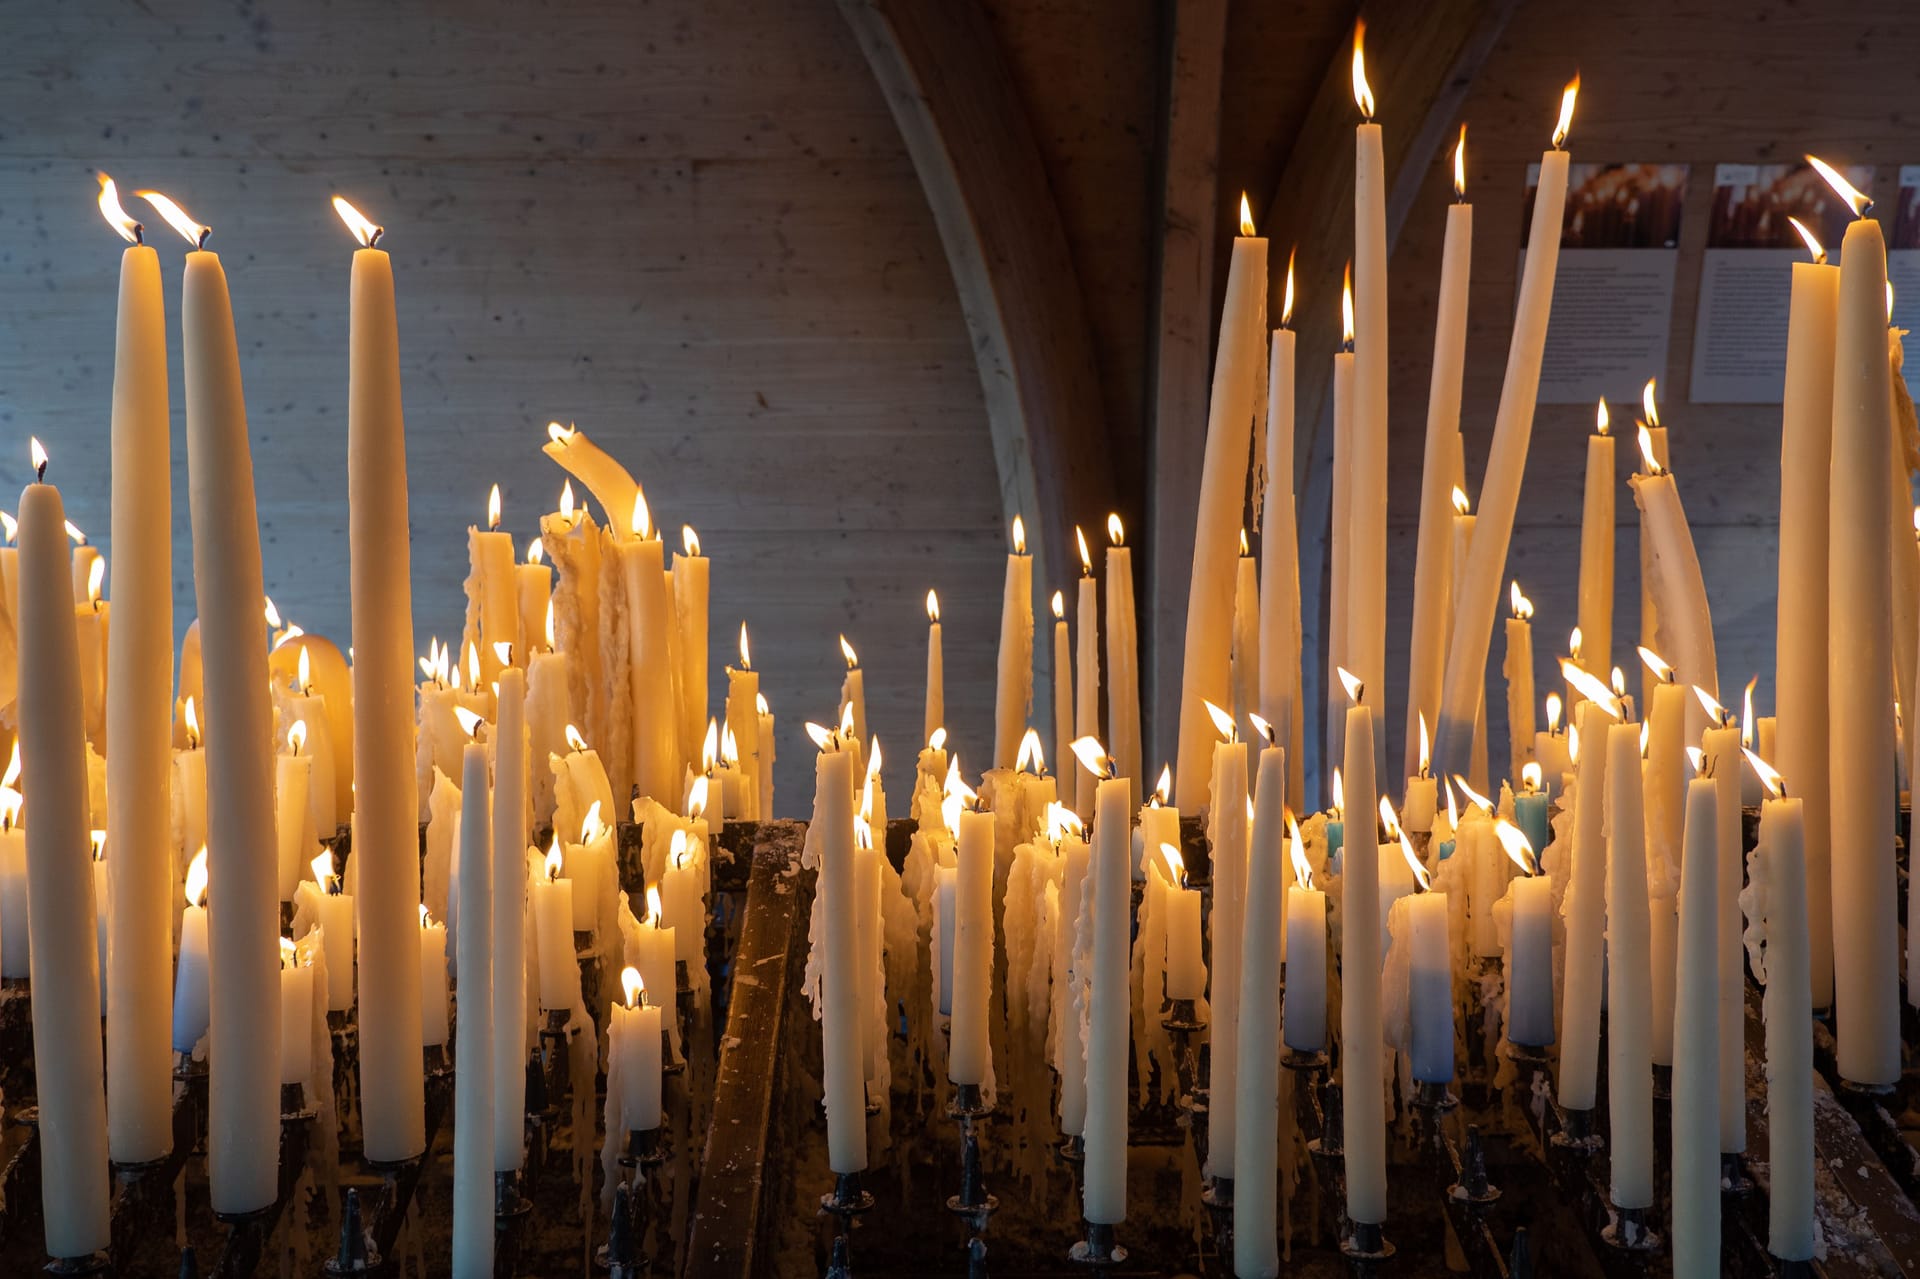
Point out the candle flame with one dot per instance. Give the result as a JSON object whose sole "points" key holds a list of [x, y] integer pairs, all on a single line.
{"points": [[1420, 876], [1574, 638], [760, 703], [504, 652], [1261, 726], [1246, 216], [11, 802], [1859, 200], [1590, 687], [1176, 868], [97, 845], [1889, 301], [1462, 505], [1029, 753], [287, 952], [1163, 789], [550, 643], [677, 850], [473, 667], [1460, 164], [1116, 532], [1554, 708], [1770, 778], [1019, 536], [593, 826], [38, 452], [820, 733], [1573, 744], [654, 910], [1243, 541], [1600, 420], [561, 435], [194, 233], [536, 551], [1646, 736], [689, 541], [1565, 123], [357, 222], [1655, 663], [1531, 775], [1426, 746], [846, 651], [873, 757], [642, 520], [1746, 713], [1296, 851], [128, 229], [1474, 797], [1362, 91], [846, 720], [96, 578], [555, 863], [1062, 822], [1649, 407], [566, 501], [493, 507], [297, 736], [1339, 806], [1812, 242], [470, 722], [9, 525], [426, 920], [633, 985], [933, 606], [575, 742], [729, 746], [1222, 721], [1388, 821], [1086, 556], [710, 746], [196, 886], [1715, 710], [1515, 843], [746, 656], [1286, 299], [1698, 758], [1092, 756], [1356, 689], [323, 873], [191, 716], [1522, 606], [937, 739], [1346, 308], [1619, 682], [1646, 452], [1059, 605]]}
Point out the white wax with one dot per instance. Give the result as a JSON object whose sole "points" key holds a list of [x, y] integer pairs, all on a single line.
{"points": [[190, 981], [1586, 912], [296, 1023], [743, 718], [970, 1050], [1123, 671], [690, 584], [474, 1095], [935, 714], [1086, 696], [546, 719], [1063, 725], [655, 709], [637, 1032], [509, 823], [1070, 1042], [1280, 693], [1227, 822], [1186, 974], [1104, 1174], [1256, 1244], [1430, 996], [946, 887], [1013, 685], [1629, 976], [1530, 962], [1305, 1008], [844, 1075], [1722, 748], [1362, 1065], [1789, 1015], [433, 985], [337, 917], [553, 938], [293, 820], [1517, 668], [1695, 1221]]}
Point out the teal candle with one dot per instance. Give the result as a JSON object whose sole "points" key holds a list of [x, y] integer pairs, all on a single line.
{"points": [[1530, 814], [1446, 849], [1336, 840]]}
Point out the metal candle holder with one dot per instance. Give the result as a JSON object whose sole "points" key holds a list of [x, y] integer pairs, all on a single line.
{"points": [[973, 1204], [1098, 1250]]}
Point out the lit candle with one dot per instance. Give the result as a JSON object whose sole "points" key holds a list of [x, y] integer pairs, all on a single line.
{"points": [[936, 710], [533, 592], [1665, 798], [1256, 1242], [1063, 702], [334, 910], [1421, 800], [653, 955], [1223, 496], [970, 1053], [636, 1038], [1724, 764], [1551, 749], [1529, 962], [1362, 1066], [507, 821], [1366, 652], [1430, 959], [1227, 817], [1123, 662], [656, 751], [67, 1054], [605, 478], [853, 704], [15, 960], [1518, 671], [553, 936], [1696, 1057], [1244, 662], [1433, 559], [1086, 684], [743, 721], [493, 593], [386, 799], [1013, 685], [1866, 966], [243, 936], [1186, 971], [296, 1016], [293, 813], [474, 1096], [1586, 904], [1104, 1173], [1629, 975], [1069, 984], [547, 715], [190, 980], [1800, 649], [1340, 540], [844, 1074], [1473, 610], [763, 778], [1680, 591], [310, 703], [1280, 693], [139, 708], [1596, 551], [433, 981], [691, 588]]}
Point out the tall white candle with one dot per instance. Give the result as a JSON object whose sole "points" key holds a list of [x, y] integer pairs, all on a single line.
{"points": [[1223, 497], [1586, 910], [1086, 690], [1478, 600], [1340, 581], [508, 827], [1530, 947], [935, 715], [1721, 749], [1123, 662], [1304, 1011], [656, 753], [1063, 699], [1629, 979], [386, 798], [840, 1025], [139, 710], [743, 721], [1430, 984], [243, 935], [1596, 552], [1013, 684], [1696, 1054], [1366, 654], [1068, 986], [474, 1096], [1518, 670], [493, 592], [1362, 1065], [973, 950], [1780, 867], [1280, 692], [1256, 1241], [190, 979], [692, 585], [1109, 880], [67, 1054], [1227, 826]]}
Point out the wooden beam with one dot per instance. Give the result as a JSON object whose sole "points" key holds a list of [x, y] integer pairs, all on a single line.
{"points": [[1182, 368], [941, 69], [1422, 56]]}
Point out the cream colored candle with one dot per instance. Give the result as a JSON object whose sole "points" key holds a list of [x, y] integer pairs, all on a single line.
{"points": [[493, 593], [970, 1051], [1596, 551], [606, 479], [1586, 910], [844, 1075], [1228, 835], [1433, 554], [1665, 795], [1256, 1243], [553, 920], [936, 705], [1304, 1012], [636, 1036], [1529, 961], [1680, 590], [139, 708], [1721, 751], [433, 981], [1478, 600], [508, 820], [853, 706], [1518, 670], [190, 978], [1245, 664], [743, 721], [386, 799], [1103, 1181], [1362, 1066], [546, 717], [335, 912], [1086, 685], [1223, 497], [91, 617], [296, 1017], [475, 1089], [691, 588], [293, 812], [1013, 685], [1366, 652], [67, 1054], [1780, 866], [1070, 1045], [1430, 989], [243, 935], [656, 751], [1656, 442], [1340, 581], [533, 593], [1281, 700], [1695, 1221], [1186, 971], [1063, 727], [763, 778], [1123, 663], [1866, 965], [1629, 977]]}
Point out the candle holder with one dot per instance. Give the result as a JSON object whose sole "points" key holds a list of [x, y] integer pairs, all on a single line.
{"points": [[510, 1213], [1628, 1231], [848, 1199], [1433, 1098], [671, 1063], [1470, 1184], [1734, 1181], [1217, 1195], [646, 1148], [357, 1255], [1575, 1131], [1366, 1244], [1098, 1250], [619, 1255], [94, 1264], [1520, 1261], [1072, 1150], [839, 1266], [553, 1057], [1793, 1269], [973, 1204]]}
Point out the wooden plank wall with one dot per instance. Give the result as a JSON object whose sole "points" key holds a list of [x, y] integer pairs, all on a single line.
{"points": [[688, 225], [1697, 83]]}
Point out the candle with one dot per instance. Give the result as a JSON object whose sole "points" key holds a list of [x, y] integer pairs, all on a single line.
{"points": [[1227, 835], [1724, 763], [1013, 684], [1430, 993], [1256, 1243], [67, 1051], [844, 1074], [1665, 795], [1551, 749], [1104, 1173], [138, 711], [553, 917], [1749, 780], [605, 478], [533, 592], [190, 1010], [508, 822], [763, 779], [90, 623], [853, 706], [743, 721], [1596, 551], [1800, 651], [1086, 684], [1629, 976], [1186, 972], [1529, 962], [1069, 987], [1365, 652], [1656, 442], [583, 620], [1585, 905], [1223, 496], [1866, 964], [691, 586], [1531, 808], [1280, 693], [386, 800], [1421, 800], [936, 710], [493, 592], [433, 981], [1304, 1022], [1244, 662], [636, 1040], [1696, 1056], [1362, 1068], [969, 1056], [1433, 560], [1123, 662], [98, 842], [293, 812], [1063, 699], [15, 931], [656, 751], [474, 1096], [1478, 847], [653, 955], [1518, 672], [1680, 592], [1473, 609], [546, 716], [311, 706], [243, 937], [946, 884], [296, 1016], [336, 915]]}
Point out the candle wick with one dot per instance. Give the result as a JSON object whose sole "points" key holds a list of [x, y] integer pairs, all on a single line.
{"points": [[201, 242], [373, 241], [40, 473], [139, 234]]}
